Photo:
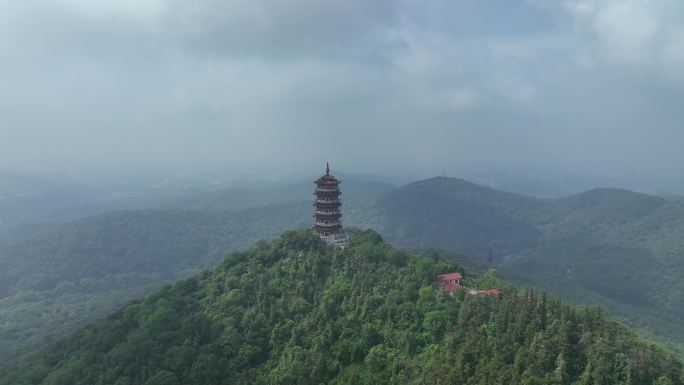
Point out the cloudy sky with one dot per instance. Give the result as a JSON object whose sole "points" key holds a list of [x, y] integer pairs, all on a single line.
{"points": [[269, 86]]}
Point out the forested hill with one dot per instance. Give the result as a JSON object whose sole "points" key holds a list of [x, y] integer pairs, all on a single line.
{"points": [[298, 311], [612, 247], [451, 213], [55, 277], [63, 276], [618, 248]]}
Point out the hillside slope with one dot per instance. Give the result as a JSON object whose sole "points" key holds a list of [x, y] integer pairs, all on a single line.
{"points": [[57, 279], [298, 311], [613, 247], [452, 214]]}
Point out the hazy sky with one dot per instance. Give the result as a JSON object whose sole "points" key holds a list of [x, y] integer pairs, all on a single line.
{"points": [[269, 86]]}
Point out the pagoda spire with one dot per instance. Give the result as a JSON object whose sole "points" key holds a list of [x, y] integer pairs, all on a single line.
{"points": [[327, 168]]}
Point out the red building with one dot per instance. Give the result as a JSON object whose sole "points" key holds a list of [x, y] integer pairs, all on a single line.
{"points": [[450, 281], [493, 291], [453, 281], [327, 209]]}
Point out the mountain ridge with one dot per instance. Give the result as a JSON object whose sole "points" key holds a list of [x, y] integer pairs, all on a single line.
{"points": [[624, 253]]}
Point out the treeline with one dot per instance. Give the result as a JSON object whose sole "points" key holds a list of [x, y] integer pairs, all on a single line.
{"points": [[297, 311], [611, 247]]}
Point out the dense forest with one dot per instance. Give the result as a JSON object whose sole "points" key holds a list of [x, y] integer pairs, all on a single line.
{"points": [[298, 311], [611, 247], [67, 275], [56, 277], [617, 248]]}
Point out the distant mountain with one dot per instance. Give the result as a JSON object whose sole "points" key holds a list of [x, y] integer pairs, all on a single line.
{"points": [[237, 198], [676, 198], [56, 277], [19, 196], [29, 201], [296, 311], [63, 276], [26, 200], [13, 184], [453, 214], [614, 247]]}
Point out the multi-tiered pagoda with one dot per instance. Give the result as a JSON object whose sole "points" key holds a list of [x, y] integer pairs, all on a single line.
{"points": [[327, 212]]}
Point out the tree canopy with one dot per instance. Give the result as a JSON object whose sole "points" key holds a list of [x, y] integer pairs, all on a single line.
{"points": [[296, 310]]}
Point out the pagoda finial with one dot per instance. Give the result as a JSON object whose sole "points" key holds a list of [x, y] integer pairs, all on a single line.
{"points": [[327, 168]]}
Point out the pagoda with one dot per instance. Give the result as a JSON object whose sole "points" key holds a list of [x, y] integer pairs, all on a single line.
{"points": [[327, 213]]}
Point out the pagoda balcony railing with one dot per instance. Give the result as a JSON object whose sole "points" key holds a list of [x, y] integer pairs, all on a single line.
{"points": [[328, 224], [331, 192], [331, 201], [319, 212]]}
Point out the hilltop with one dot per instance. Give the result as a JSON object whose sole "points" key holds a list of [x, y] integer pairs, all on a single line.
{"points": [[612, 247], [452, 214], [298, 311], [58, 276]]}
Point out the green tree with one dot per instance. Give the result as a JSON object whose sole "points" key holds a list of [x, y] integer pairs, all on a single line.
{"points": [[163, 377]]}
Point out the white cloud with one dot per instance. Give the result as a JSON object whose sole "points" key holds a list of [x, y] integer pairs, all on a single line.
{"points": [[137, 9], [644, 36]]}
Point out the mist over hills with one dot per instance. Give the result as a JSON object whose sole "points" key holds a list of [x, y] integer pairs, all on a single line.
{"points": [[61, 277], [142, 142], [613, 247], [236, 198], [55, 277], [27, 201]]}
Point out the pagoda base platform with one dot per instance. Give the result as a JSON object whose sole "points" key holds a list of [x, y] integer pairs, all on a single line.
{"points": [[339, 239]]}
